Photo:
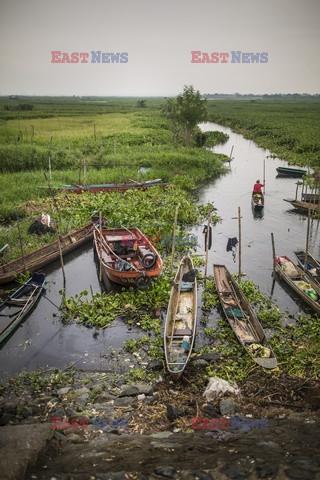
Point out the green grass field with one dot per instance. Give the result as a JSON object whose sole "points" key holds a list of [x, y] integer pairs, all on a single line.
{"points": [[289, 128]]}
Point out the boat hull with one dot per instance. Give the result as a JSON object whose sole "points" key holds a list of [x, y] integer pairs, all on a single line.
{"points": [[13, 311], [43, 256], [125, 239], [181, 322], [290, 172], [241, 317], [293, 286], [112, 187], [303, 207], [257, 202]]}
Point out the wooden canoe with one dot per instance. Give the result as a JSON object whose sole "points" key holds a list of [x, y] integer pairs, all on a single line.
{"points": [[290, 172], [181, 320], [127, 257], [312, 265], [257, 201], [242, 319], [293, 283], [109, 187], [15, 308], [303, 206], [43, 256]]}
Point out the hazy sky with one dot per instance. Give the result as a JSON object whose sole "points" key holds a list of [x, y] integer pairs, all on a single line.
{"points": [[159, 37]]}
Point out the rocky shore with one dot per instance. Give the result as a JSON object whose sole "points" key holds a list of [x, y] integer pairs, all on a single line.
{"points": [[81, 425]]}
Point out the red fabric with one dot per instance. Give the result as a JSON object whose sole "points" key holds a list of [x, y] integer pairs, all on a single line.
{"points": [[257, 188]]}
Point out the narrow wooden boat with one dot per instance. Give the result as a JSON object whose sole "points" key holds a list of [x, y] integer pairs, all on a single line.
{"points": [[43, 256], [299, 282], [15, 308], [312, 265], [109, 187], [127, 257], [291, 172], [257, 201], [242, 319], [181, 320], [303, 206]]}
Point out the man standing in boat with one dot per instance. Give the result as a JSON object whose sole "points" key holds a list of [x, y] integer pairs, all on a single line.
{"points": [[257, 188]]}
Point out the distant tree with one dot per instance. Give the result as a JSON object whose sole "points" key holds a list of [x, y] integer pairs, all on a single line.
{"points": [[186, 111], [141, 104], [25, 106]]}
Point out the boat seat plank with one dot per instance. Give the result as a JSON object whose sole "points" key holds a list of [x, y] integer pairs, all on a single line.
{"points": [[17, 301], [182, 332]]}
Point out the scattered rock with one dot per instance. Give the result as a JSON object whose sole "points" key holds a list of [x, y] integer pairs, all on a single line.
{"points": [[6, 418], [198, 475], [307, 464], [210, 357], [234, 472], [63, 391], [154, 365], [209, 410], [74, 438], [136, 390], [167, 472], [81, 391], [174, 412], [141, 397], [125, 402], [267, 470], [27, 411], [299, 474], [105, 397], [199, 362], [228, 406], [82, 401], [164, 434]]}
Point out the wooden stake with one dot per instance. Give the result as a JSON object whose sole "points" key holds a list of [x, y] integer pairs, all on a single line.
{"points": [[50, 172], [84, 172], [174, 237], [61, 258], [100, 230], [21, 247], [239, 221], [273, 254], [207, 244], [94, 132], [307, 241], [230, 156]]}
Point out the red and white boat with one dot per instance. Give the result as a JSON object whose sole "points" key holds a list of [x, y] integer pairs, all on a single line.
{"points": [[127, 257]]}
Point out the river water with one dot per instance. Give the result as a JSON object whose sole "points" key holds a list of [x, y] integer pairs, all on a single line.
{"points": [[43, 341]]}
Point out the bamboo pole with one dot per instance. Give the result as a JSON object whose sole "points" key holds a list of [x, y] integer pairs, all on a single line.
{"points": [[207, 244], [239, 222], [21, 246], [264, 177], [61, 258], [84, 172], [307, 241], [273, 254], [100, 231], [174, 237], [230, 156], [94, 132], [50, 172]]}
